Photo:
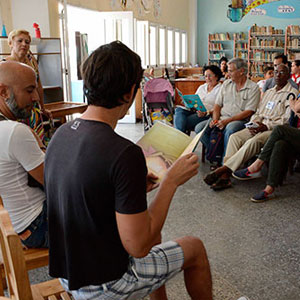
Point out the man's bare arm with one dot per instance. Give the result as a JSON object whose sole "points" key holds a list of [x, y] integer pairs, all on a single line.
{"points": [[140, 232]]}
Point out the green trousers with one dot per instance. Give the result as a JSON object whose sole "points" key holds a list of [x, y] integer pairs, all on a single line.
{"points": [[283, 143]]}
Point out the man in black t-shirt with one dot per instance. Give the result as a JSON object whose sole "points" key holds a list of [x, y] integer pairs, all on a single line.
{"points": [[104, 240]]}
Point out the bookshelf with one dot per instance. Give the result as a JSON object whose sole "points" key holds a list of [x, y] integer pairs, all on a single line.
{"points": [[265, 42], [292, 42], [240, 45], [219, 44]]}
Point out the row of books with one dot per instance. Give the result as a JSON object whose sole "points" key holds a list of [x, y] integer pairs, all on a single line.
{"points": [[215, 56], [242, 46], [240, 36], [294, 29], [243, 55], [261, 55], [267, 43], [265, 30], [219, 36], [216, 46], [294, 43], [258, 68]]}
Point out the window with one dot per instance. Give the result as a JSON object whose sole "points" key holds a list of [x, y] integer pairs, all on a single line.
{"points": [[177, 48], [162, 46], [183, 48], [142, 42], [158, 45], [153, 46], [170, 47]]}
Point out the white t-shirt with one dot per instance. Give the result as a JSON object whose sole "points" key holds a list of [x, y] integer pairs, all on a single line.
{"points": [[208, 98], [19, 153]]}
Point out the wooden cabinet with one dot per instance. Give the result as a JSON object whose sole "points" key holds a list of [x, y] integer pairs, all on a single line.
{"points": [[187, 86]]}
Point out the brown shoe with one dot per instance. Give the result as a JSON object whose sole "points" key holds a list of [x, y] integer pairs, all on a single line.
{"points": [[211, 178], [221, 184]]}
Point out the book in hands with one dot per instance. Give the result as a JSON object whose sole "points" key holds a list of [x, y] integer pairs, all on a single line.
{"points": [[162, 145], [192, 101]]}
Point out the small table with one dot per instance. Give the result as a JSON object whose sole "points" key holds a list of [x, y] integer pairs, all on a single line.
{"points": [[62, 109]]}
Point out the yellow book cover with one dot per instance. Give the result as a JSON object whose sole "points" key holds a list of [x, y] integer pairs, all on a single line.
{"points": [[163, 144]]}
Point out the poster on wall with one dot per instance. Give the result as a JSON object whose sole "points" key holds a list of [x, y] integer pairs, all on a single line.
{"points": [[284, 9]]}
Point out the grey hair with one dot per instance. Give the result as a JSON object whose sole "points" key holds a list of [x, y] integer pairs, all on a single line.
{"points": [[285, 67], [240, 64]]}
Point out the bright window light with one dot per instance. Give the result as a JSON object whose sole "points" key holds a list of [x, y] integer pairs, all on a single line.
{"points": [[162, 46], [153, 58], [170, 47], [177, 47], [183, 48]]}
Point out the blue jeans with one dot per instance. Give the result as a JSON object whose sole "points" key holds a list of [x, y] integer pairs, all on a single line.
{"points": [[231, 128], [199, 127], [39, 231], [185, 120]]}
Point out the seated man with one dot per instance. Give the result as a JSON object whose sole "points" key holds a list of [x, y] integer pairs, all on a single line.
{"points": [[104, 241], [284, 142], [21, 154], [273, 110], [270, 83], [236, 102]]}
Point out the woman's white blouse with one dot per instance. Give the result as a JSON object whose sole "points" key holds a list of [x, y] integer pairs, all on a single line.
{"points": [[208, 99]]}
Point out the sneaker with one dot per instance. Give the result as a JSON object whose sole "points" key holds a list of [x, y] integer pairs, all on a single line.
{"points": [[261, 197], [243, 298], [245, 174]]}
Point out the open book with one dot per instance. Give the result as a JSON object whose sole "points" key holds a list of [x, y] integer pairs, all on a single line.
{"points": [[192, 101], [163, 144]]}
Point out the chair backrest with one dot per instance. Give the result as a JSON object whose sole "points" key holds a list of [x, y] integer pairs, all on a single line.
{"points": [[14, 262]]}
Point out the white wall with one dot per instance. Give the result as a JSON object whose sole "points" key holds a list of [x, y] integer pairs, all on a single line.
{"points": [[27, 12]]}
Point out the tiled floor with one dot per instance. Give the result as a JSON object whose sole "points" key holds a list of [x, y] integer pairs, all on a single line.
{"points": [[254, 248]]}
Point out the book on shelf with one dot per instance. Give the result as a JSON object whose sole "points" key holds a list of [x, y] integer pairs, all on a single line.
{"points": [[192, 101], [265, 30], [219, 36], [162, 145], [294, 29]]}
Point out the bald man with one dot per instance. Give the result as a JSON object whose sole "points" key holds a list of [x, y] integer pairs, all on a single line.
{"points": [[21, 155]]}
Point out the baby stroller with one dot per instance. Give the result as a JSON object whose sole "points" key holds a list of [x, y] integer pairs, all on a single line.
{"points": [[157, 102]]}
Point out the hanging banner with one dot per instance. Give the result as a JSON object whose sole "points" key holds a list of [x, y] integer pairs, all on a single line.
{"points": [[284, 9]]}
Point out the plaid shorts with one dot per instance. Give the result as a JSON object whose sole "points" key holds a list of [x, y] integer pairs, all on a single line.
{"points": [[144, 275]]}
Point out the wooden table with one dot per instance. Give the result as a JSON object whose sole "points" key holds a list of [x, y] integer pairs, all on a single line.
{"points": [[62, 109], [187, 86]]}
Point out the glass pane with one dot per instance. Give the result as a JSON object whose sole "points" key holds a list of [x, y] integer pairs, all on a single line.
{"points": [[183, 48], [162, 46], [141, 45], [170, 47], [177, 47], [153, 60]]}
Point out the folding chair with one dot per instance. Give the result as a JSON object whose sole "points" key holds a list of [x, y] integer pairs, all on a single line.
{"points": [[19, 287]]}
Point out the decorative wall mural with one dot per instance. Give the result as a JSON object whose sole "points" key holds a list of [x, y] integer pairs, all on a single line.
{"points": [[287, 9], [143, 6]]}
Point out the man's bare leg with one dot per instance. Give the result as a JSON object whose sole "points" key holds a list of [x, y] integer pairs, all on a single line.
{"points": [[196, 268], [256, 166]]}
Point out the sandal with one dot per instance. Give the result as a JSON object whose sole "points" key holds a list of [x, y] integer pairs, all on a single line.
{"points": [[221, 184], [211, 178]]}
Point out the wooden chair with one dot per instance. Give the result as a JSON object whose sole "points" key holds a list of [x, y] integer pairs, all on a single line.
{"points": [[15, 268], [34, 258]]}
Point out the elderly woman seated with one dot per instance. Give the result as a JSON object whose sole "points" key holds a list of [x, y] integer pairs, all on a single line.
{"points": [[186, 119]]}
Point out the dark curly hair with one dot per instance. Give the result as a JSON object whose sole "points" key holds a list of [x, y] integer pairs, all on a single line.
{"points": [[215, 69], [109, 73]]}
